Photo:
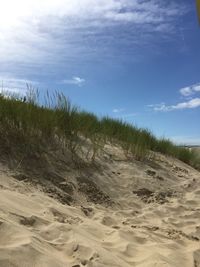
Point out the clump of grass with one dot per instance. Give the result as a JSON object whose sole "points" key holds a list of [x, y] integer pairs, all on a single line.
{"points": [[28, 126]]}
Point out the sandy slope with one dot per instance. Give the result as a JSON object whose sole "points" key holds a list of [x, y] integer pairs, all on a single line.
{"points": [[141, 214]]}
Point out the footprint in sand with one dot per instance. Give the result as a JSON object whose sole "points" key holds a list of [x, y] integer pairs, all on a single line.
{"points": [[108, 221], [31, 221], [84, 255], [88, 211]]}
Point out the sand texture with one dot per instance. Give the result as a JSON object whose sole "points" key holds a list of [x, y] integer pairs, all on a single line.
{"points": [[118, 213]]}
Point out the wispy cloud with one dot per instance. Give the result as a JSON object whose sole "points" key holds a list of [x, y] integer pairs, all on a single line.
{"points": [[129, 115], [90, 10], [15, 85], [190, 90], [75, 81], [118, 110], [121, 113], [187, 104], [126, 116], [60, 32]]}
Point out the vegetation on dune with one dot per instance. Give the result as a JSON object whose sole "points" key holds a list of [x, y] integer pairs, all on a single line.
{"points": [[29, 127]]}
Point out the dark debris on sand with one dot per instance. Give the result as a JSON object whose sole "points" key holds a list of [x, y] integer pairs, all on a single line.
{"points": [[92, 192], [149, 196]]}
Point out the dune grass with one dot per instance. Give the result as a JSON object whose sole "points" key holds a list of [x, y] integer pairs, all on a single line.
{"points": [[30, 127]]}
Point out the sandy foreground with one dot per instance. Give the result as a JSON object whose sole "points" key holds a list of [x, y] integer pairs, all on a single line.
{"points": [[123, 213]]}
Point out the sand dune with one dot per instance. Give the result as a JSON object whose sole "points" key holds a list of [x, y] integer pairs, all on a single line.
{"points": [[123, 213]]}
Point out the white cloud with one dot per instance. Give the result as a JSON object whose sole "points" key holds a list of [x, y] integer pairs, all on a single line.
{"points": [[75, 81], [190, 104], [190, 90], [193, 103], [118, 110]]}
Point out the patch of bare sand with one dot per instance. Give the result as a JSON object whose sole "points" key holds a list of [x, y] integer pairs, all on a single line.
{"points": [[123, 213]]}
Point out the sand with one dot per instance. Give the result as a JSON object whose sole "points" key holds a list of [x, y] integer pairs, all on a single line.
{"points": [[141, 214]]}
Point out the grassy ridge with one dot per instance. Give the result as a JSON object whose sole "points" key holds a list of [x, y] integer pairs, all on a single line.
{"points": [[29, 127]]}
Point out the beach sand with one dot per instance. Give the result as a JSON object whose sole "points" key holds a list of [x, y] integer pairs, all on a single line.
{"points": [[119, 213]]}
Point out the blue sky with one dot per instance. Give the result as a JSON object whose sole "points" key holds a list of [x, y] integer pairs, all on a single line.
{"points": [[136, 60]]}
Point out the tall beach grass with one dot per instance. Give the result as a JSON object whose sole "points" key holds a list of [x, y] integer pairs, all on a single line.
{"points": [[27, 126]]}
